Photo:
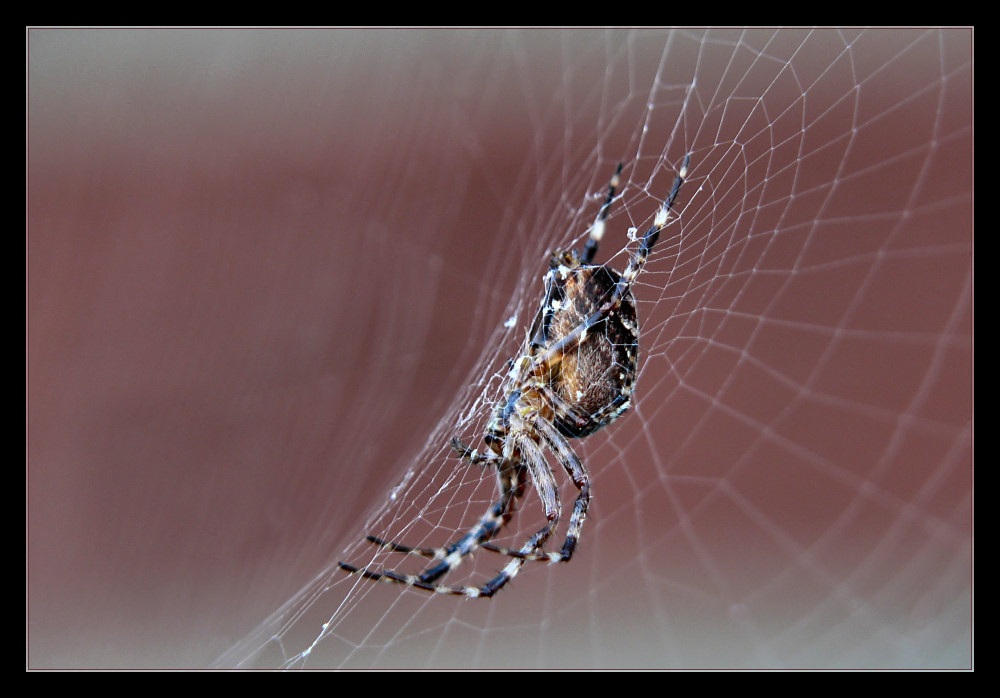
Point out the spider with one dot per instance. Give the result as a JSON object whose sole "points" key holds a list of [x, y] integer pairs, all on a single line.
{"points": [[574, 376]]}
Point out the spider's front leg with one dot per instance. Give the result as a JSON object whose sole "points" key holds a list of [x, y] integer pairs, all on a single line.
{"points": [[597, 230]]}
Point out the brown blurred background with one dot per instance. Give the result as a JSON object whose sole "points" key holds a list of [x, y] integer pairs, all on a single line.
{"points": [[261, 265]]}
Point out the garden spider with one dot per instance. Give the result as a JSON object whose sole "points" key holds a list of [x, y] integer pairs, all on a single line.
{"points": [[574, 376]]}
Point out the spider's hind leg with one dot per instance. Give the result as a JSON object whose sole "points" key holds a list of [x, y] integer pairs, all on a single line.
{"points": [[448, 558], [513, 480], [451, 556]]}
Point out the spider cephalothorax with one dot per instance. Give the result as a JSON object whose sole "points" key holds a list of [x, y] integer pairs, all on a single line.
{"points": [[574, 376]]}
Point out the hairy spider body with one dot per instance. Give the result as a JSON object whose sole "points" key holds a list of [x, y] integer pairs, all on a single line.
{"points": [[575, 375]]}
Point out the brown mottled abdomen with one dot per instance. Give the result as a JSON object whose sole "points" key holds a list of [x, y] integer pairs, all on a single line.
{"points": [[595, 379]]}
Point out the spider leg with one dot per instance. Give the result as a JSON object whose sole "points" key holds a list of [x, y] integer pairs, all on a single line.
{"points": [[471, 455], [660, 220], [573, 466], [449, 557], [545, 485], [578, 474], [539, 332], [467, 453], [546, 488], [513, 480], [571, 462], [393, 547], [513, 483], [597, 230], [486, 591]]}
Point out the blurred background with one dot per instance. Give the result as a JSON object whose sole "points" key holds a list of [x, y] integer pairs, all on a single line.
{"points": [[268, 273]]}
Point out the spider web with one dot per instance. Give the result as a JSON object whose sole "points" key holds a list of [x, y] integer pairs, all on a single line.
{"points": [[341, 247]]}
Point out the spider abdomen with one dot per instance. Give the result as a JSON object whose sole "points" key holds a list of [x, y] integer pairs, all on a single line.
{"points": [[594, 380]]}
